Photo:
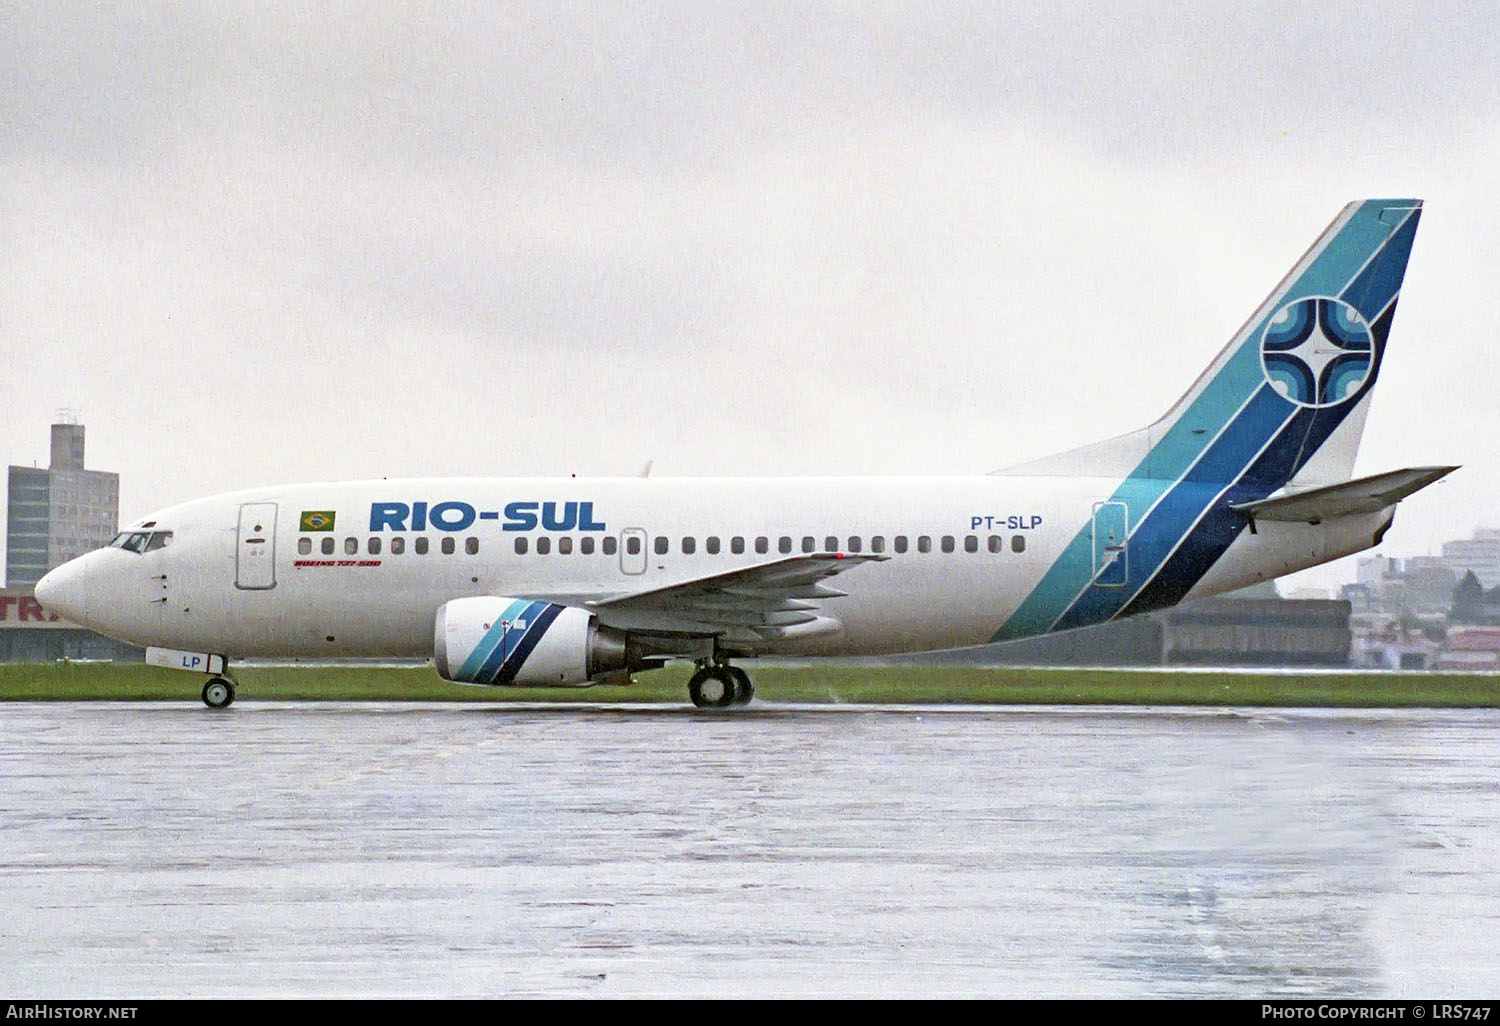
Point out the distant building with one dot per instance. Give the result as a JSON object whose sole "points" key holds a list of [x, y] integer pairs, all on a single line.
{"points": [[1481, 554], [57, 513], [31, 634], [1387, 589], [1257, 632], [1372, 570], [1471, 649]]}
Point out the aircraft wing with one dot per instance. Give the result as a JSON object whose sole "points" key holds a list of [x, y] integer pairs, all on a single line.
{"points": [[1363, 495], [774, 600]]}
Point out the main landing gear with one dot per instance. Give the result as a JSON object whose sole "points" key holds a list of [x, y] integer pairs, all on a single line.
{"points": [[719, 686], [218, 693]]}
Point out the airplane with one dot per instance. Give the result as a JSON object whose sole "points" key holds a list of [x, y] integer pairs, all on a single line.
{"points": [[572, 582]]}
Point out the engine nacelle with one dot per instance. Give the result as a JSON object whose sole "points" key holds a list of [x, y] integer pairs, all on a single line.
{"points": [[499, 640]]}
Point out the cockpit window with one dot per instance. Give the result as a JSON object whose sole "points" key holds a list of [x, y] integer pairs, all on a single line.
{"points": [[141, 541]]}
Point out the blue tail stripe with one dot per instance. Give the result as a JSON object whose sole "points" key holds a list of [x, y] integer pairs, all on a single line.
{"points": [[1066, 581], [1152, 542], [1363, 261], [1341, 259], [1211, 538], [1380, 281]]}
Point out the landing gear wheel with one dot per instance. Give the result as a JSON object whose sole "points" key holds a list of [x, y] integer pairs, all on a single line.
{"points": [[218, 693], [712, 687], [743, 689]]}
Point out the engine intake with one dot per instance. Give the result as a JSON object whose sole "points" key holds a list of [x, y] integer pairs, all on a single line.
{"points": [[499, 640]]}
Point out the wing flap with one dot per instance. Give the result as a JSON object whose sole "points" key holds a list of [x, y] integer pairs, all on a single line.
{"points": [[748, 606]]}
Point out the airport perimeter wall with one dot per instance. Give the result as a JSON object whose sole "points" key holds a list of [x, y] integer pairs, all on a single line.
{"points": [[1210, 632]]}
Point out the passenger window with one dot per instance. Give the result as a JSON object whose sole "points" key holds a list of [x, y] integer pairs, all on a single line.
{"points": [[351, 546], [737, 545], [421, 546], [544, 546], [448, 546], [373, 547], [808, 543], [327, 546], [586, 545], [661, 544], [971, 543], [471, 546], [689, 546], [611, 545], [855, 544], [877, 544], [830, 544], [784, 545], [948, 543], [521, 546], [565, 546], [997, 543], [924, 543], [1018, 543], [900, 543], [762, 545], [711, 545], [304, 546], [398, 546], [632, 545]]}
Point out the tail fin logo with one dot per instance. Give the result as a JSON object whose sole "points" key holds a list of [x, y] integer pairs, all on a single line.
{"points": [[1317, 351]]}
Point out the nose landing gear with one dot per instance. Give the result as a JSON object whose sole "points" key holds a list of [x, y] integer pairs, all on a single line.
{"points": [[719, 686], [218, 693]]}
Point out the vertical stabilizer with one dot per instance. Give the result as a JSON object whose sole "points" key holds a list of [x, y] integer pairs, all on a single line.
{"points": [[1298, 373], [1283, 403]]}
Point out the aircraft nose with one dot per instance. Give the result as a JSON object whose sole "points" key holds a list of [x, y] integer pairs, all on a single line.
{"points": [[65, 591]]}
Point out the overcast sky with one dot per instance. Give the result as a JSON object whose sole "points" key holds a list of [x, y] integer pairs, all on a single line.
{"points": [[260, 243]]}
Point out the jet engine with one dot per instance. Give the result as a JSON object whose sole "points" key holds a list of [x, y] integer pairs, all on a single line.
{"points": [[499, 640]]}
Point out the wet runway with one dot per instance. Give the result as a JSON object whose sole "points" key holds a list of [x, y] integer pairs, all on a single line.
{"points": [[282, 849]]}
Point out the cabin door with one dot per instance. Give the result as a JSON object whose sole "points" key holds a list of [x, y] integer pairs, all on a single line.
{"points": [[1111, 558], [255, 554]]}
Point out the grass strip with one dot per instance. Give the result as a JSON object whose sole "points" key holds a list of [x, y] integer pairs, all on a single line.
{"points": [[828, 682]]}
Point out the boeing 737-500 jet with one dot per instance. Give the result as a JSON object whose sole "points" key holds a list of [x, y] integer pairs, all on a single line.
{"points": [[569, 582]]}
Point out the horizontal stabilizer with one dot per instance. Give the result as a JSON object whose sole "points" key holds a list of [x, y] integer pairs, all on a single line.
{"points": [[1363, 495]]}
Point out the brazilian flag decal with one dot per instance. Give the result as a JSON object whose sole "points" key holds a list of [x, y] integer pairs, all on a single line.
{"points": [[316, 520]]}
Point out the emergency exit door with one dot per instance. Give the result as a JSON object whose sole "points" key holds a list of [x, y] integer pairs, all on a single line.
{"points": [[633, 555], [255, 555]]}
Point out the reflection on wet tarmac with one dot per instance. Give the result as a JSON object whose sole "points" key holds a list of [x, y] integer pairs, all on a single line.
{"points": [[330, 849]]}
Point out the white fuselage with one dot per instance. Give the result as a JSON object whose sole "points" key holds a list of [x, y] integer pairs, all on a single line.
{"points": [[963, 552]]}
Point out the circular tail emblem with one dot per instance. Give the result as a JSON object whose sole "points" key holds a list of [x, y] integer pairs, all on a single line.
{"points": [[1317, 351]]}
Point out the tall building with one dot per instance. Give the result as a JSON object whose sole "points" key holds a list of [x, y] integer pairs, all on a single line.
{"points": [[58, 513], [1480, 554]]}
